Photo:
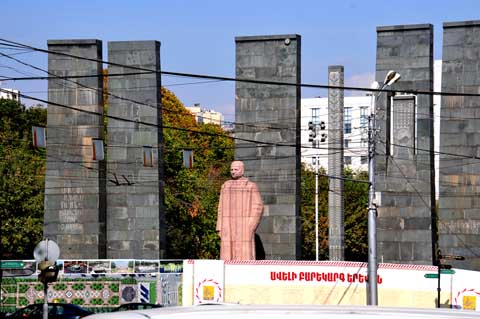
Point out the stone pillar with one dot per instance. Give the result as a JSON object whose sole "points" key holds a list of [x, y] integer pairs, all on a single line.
{"points": [[135, 226], [336, 232], [74, 183], [404, 151], [271, 113], [459, 203]]}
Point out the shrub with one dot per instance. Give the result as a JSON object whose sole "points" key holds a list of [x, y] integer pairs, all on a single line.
{"points": [[114, 300], [78, 301]]}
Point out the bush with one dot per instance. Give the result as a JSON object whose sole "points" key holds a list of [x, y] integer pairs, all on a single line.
{"points": [[78, 286], [128, 281], [22, 301], [97, 286], [114, 300], [114, 287], [78, 301], [10, 289], [60, 286], [22, 288], [96, 301]]}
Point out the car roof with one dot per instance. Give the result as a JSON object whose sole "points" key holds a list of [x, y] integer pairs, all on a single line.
{"points": [[286, 312], [138, 303]]}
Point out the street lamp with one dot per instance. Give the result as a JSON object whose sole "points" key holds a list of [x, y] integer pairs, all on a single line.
{"points": [[372, 295]]}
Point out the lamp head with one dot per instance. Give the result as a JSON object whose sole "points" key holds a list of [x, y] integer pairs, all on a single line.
{"points": [[391, 78]]}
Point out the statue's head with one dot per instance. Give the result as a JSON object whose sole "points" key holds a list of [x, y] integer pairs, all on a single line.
{"points": [[237, 169]]}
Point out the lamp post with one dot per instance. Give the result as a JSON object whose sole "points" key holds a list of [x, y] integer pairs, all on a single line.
{"points": [[441, 266], [372, 295]]}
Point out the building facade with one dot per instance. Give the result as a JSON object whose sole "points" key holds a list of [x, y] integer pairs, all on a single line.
{"points": [[10, 94], [206, 116], [355, 141]]}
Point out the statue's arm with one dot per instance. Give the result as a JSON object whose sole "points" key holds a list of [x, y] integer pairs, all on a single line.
{"points": [[220, 213], [257, 204]]}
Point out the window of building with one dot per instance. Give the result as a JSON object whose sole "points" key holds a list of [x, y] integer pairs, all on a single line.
{"points": [[348, 120], [348, 160], [363, 116], [346, 143], [148, 156], [363, 159], [315, 115], [363, 143]]}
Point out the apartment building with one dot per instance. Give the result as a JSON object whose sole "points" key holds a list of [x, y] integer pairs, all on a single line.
{"points": [[10, 94], [206, 116], [356, 113]]}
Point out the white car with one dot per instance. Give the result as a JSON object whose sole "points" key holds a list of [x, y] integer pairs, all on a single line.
{"points": [[229, 311]]}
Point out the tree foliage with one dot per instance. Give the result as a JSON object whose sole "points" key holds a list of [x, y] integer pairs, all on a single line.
{"points": [[355, 210], [22, 171], [191, 195]]}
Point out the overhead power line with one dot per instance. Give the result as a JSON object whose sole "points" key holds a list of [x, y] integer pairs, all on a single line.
{"points": [[234, 79]]}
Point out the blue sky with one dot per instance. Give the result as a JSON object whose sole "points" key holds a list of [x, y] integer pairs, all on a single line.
{"points": [[198, 36]]}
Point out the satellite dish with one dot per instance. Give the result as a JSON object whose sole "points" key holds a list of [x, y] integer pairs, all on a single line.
{"points": [[46, 250]]}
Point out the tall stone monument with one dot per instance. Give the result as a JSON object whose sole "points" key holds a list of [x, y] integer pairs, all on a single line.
{"points": [[74, 183], [269, 114], [404, 151], [136, 221], [459, 203], [336, 228]]}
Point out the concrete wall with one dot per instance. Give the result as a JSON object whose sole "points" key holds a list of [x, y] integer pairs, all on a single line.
{"points": [[459, 207], [327, 283], [74, 183], [271, 114], [135, 227], [404, 150]]}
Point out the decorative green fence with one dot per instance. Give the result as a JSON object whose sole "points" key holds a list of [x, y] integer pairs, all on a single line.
{"points": [[94, 291]]}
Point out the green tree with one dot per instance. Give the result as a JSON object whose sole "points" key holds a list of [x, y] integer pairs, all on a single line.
{"points": [[22, 170], [191, 195], [355, 209], [308, 214], [356, 227]]}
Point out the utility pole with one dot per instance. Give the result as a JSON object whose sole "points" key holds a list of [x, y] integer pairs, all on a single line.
{"points": [[372, 288], [312, 138], [315, 138]]}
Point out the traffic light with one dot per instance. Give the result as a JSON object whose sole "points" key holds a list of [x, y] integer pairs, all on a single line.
{"points": [[323, 136], [323, 126], [312, 134]]}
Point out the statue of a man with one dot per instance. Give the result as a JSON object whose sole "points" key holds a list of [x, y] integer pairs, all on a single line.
{"points": [[239, 211]]}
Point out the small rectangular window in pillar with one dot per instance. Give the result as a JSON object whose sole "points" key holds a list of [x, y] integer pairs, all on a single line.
{"points": [[188, 158], [148, 156], [38, 135], [97, 148]]}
